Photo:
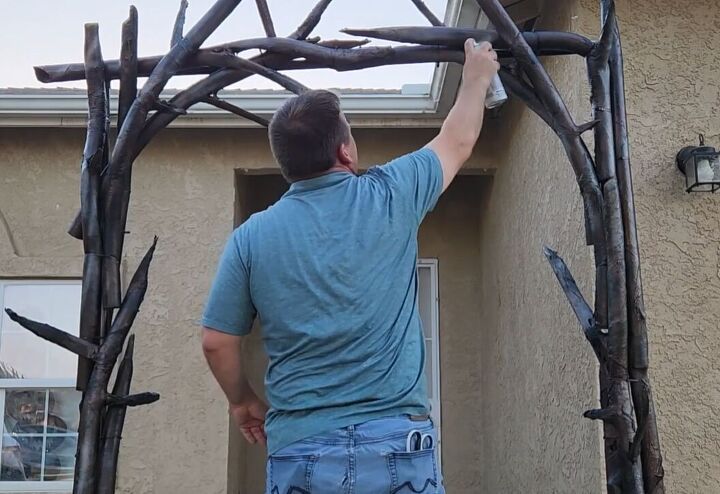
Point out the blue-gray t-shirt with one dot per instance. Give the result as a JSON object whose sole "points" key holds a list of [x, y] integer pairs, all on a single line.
{"points": [[330, 270]]}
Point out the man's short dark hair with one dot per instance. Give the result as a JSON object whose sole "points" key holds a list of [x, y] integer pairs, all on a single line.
{"points": [[305, 134]]}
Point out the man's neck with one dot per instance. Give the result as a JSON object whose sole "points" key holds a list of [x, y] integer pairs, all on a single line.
{"points": [[337, 167]]}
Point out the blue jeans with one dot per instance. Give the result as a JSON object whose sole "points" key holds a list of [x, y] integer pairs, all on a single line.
{"points": [[368, 458]]}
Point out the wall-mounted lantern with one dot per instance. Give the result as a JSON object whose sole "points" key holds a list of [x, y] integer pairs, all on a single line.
{"points": [[701, 167]]}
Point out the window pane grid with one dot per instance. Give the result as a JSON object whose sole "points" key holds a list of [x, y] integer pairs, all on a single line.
{"points": [[37, 395]]}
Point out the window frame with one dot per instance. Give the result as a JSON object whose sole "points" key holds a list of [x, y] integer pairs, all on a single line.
{"points": [[34, 486], [436, 401]]}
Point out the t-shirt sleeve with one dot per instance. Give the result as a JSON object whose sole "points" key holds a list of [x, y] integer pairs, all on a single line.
{"points": [[229, 307], [416, 181]]}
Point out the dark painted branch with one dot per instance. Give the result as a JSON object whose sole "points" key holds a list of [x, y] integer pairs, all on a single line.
{"points": [[93, 162], [651, 456], [343, 43], [135, 400], [611, 295], [582, 310], [599, 74], [117, 179], [224, 105], [94, 399], [113, 423], [233, 62], [66, 340], [128, 65], [265, 17], [312, 20], [424, 10], [177, 32], [543, 43]]}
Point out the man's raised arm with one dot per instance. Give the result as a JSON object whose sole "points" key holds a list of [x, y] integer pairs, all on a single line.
{"points": [[461, 128]]}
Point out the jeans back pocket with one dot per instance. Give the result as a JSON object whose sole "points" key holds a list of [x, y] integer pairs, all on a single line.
{"points": [[290, 474], [413, 472]]}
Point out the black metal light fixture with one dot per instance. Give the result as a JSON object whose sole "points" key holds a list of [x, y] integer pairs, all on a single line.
{"points": [[701, 167]]}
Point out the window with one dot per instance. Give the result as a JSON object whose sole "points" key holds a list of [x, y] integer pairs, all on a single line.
{"points": [[37, 388], [428, 304]]}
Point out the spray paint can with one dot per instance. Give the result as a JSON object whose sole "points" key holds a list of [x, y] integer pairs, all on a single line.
{"points": [[496, 95]]}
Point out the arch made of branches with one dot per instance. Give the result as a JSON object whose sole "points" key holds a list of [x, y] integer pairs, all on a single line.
{"points": [[615, 325]]}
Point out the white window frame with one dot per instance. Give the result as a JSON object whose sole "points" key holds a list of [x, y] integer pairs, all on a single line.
{"points": [[63, 486], [434, 384]]}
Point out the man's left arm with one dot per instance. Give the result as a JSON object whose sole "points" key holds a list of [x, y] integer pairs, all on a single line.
{"points": [[228, 317], [223, 353]]}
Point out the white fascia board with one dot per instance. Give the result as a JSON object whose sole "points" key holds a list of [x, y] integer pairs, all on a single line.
{"points": [[70, 110], [412, 107]]}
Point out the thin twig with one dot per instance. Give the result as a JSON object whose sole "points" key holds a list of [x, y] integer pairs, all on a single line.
{"points": [[424, 10], [265, 17], [177, 32], [224, 105], [234, 62], [311, 21]]}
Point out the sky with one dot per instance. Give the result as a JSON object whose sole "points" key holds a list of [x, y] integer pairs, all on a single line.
{"points": [[39, 32]]}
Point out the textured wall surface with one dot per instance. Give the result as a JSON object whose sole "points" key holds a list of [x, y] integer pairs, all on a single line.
{"points": [[538, 372], [183, 191]]}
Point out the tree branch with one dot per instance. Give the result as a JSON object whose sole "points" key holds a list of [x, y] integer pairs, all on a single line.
{"points": [[231, 61], [582, 310], [224, 105], [312, 20], [424, 10], [117, 179], [68, 341], [94, 160], [638, 360], [177, 32], [543, 43], [132, 400], [113, 423], [128, 65], [265, 17]]}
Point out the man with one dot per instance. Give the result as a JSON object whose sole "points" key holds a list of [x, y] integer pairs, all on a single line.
{"points": [[330, 271]]}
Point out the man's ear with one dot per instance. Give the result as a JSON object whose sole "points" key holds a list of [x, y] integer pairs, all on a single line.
{"points": [[343, 154]]}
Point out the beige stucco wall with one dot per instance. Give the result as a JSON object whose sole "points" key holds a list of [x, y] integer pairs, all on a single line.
{"points": [[183, 191]]}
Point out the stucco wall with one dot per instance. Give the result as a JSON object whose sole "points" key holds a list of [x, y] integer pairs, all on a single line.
{"points": [[183, 191], [538, 373]]}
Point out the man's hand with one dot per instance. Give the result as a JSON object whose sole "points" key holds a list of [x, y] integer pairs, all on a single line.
{"points": [[249, 416], [481, 63]]}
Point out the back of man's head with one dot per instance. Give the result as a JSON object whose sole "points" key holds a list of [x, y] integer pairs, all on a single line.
{"points": [[306, 132]]}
